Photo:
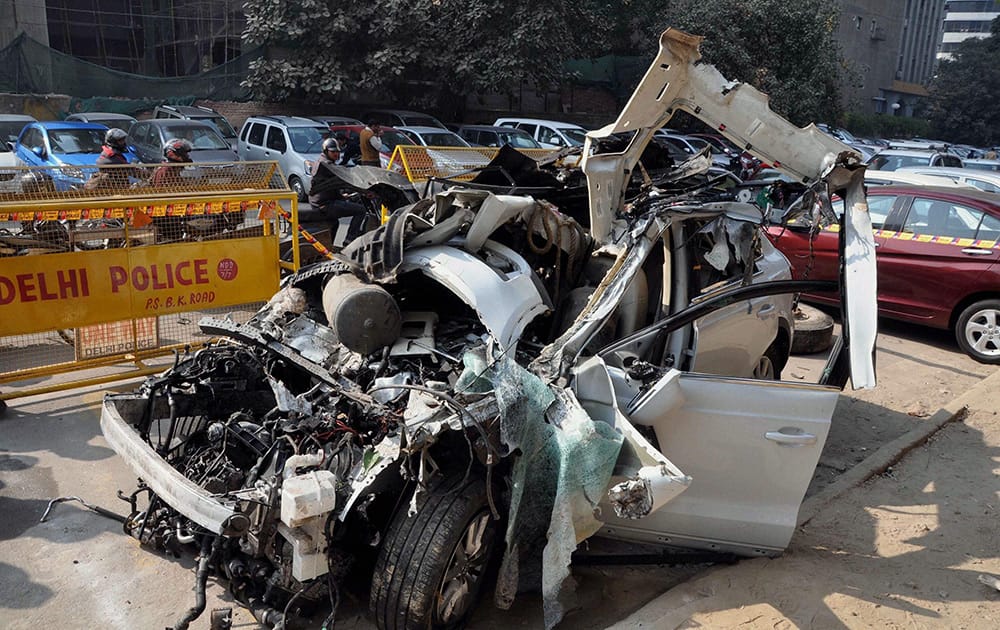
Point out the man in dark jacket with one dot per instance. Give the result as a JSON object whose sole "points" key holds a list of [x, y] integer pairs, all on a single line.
{"points": [[113, 154], [325, 193]]}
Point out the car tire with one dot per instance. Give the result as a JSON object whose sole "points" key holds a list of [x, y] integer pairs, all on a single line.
{"points": [[977, 331], [813, 331], [298, 188], [432, 565]]}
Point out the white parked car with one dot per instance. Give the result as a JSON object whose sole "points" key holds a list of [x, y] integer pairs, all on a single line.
{"points": [[434, 136], [485, 375], [915, 178], [892, 159], [983, 180], [294, 142], [551, 134]]}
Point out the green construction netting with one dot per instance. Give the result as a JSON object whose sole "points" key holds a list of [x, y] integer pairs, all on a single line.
{"points": [[30, 67]]}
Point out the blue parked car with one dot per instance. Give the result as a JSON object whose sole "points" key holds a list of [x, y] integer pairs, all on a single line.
{"points": [[72, 147]]}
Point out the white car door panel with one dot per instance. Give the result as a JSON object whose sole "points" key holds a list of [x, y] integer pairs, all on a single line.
{"points": [[749, 447]]}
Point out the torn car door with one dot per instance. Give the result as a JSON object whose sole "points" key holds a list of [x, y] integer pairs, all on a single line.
{"points": [[749, 447]]}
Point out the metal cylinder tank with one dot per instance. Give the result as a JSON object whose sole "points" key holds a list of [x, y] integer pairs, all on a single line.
{"points": [[364, 316]]}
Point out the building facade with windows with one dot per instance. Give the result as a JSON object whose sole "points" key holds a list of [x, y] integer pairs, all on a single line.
{"points": [[891, 48], [964, 19], [167, 38]]}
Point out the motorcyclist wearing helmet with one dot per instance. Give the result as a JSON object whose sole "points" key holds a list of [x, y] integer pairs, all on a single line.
{"points": [[113, 154], [176, 152], [326, 192]]}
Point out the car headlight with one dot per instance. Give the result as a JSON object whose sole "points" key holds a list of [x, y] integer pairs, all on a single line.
{"points": [[72, 172], [308, 164]]}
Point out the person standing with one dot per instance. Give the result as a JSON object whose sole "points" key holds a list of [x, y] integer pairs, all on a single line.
{"points": [[325, 192], [371, 144]]}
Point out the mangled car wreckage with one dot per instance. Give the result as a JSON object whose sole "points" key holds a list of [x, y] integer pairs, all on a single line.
{"points": [[486, 378]]}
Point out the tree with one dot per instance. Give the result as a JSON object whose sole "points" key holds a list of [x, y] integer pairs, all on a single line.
{"points": [[965, 94], [434, 52], [785, 49], [443, 48]]}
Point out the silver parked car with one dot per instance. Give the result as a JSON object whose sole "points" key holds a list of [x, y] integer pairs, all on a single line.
{"points": [[434, 137], [147, 138], [487, 377], [294, 142]]}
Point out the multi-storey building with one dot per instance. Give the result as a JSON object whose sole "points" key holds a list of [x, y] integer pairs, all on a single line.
{"points": [[891, 47], [964, 19], [153, 37]]}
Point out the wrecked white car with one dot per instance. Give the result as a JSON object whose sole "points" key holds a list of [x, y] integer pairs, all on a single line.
{"points": [[484, 377]]}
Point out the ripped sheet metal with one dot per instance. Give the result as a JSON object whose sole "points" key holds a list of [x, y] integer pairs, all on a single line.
{"points": [[739, 112], [859, 277]]}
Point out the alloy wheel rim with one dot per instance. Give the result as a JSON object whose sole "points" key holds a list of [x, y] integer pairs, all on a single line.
{"points": [[764, 369], [465, 568], [982, 332]]}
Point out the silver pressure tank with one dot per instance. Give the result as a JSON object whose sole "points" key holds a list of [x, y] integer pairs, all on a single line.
{"points": [[364, 316]]}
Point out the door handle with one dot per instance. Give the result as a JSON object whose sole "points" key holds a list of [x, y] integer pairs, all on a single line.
{"points": [[786, 437], [975, 251], [765, 309]]}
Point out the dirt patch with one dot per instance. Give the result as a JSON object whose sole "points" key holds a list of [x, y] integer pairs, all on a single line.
{"points": [[919, 371]]}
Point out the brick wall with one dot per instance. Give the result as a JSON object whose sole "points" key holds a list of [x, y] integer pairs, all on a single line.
{"points": [[236, 113], [41, 106], [590, 107]]}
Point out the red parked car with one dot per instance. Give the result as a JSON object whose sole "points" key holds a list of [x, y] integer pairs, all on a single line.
{"points": [[938, 261]]}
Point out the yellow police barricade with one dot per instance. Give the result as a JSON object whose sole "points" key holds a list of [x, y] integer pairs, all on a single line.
{"points": [[461, 164], [116, 266]]}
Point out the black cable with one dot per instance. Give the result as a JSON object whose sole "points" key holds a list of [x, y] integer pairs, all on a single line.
{"points": [[461, 409], [457, 406], [93, 508], [288, 607], [210, 548], [331, 619]]}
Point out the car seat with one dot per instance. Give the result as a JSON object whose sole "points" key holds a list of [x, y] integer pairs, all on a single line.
{"points": [[937, 218]]}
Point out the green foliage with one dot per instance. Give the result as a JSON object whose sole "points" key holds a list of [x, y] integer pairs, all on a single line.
{"points": [[446, 48], [785, 49], [965, 94], [886, 126], [321, 49]]}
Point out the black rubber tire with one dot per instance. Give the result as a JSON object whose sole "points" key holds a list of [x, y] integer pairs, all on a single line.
{"points": [[813, 331], [987, 314], [411, 564], [298, 188]]}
